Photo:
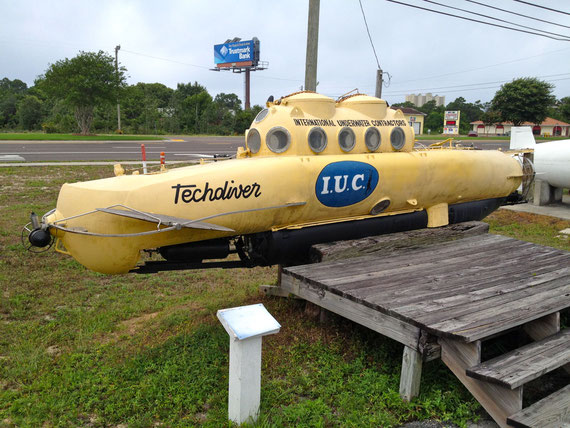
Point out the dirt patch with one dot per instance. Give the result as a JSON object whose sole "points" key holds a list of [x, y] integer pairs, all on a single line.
{"points": [[133, 325]]}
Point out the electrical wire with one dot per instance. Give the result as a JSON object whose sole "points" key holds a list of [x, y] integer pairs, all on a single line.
{"points": [[482, 83], [476, 20], [392, 94], [480, 68], [369, 36], [495, 19], [516, 13], [542, 7], [200, 66], [165, 59]]}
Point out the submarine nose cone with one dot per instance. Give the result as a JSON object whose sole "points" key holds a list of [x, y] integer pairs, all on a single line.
{"points": [[39, 238]]}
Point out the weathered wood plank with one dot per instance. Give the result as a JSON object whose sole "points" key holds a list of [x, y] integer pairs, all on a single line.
{"points": [[544, 327], [450, 283], [394, 242], [437, 255], [477, 243], [529, 362], [498, 401], [477, 297], [478, 324], [411, 374], [412, 269], [393, 328], [550, 412]]}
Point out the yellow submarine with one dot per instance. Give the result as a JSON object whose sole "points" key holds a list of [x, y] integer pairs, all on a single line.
{"points": [[313, 170]]}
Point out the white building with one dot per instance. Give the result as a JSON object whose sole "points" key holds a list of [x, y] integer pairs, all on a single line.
{"points": [[419, 100]]}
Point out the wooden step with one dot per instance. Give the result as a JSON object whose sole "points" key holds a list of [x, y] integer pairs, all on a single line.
{"points": [[550, 412], [527, 363]]}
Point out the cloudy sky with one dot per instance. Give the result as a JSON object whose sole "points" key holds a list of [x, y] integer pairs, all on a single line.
{"points": [[172, 41]]}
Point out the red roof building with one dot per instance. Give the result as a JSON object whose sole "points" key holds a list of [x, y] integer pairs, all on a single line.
{"points": [[548, 128]]}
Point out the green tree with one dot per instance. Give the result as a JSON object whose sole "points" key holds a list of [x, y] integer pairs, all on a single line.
{"points": [[229, 101], [564, 109], [84, 82], [11, 91], [434, 122], [523, 100], [405, 104], [30, 112]]}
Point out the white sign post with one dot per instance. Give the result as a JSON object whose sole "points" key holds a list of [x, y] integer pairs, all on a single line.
{"points": [[246, 325]]}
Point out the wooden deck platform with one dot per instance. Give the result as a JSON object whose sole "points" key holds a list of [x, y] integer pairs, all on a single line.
{"points": [[443, 300], [466, 289]]}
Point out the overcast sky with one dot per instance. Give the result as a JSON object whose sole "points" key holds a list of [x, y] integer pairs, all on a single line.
{"points": [[172, 41]]}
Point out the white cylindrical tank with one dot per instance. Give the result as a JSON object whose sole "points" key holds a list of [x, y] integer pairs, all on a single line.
{"points": [[552, 163]]}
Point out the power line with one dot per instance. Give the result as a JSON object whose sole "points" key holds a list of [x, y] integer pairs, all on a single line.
{"points": [[200, 66], [480, 68], [166, 59], [495, 19], [476, 20], [368, 31], [481, 83], [516, 13], [472, 89], [542, 7]]}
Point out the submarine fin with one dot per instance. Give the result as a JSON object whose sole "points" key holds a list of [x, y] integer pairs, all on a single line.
{"points": [[164, 219]]}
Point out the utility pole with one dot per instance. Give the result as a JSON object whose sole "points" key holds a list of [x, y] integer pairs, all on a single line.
{"points": [[379, 83], [117, 71], [312, 46]]}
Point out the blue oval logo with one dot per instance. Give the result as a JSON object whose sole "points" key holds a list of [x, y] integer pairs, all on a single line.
{"points": [[345, 183]]}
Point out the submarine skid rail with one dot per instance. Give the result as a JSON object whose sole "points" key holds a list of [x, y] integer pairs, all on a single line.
{"points": [[313, 170]]}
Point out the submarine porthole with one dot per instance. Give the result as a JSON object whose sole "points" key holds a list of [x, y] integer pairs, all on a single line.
{"points": [[278, 139], [253, 140], [398, 138], [317, 139], [380, 206], [261, 115], [346, 139], [372, 139]]}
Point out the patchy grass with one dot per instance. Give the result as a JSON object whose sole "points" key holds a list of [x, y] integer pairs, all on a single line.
{"points": [[79, 348], [539, 229], [31, 136]]}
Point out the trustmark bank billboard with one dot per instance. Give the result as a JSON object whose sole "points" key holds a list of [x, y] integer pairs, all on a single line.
{"points": [[242, 53]]}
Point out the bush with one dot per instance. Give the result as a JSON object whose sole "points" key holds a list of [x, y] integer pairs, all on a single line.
{"points": [[50, 128]]}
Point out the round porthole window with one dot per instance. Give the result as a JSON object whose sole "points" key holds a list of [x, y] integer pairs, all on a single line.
{"points": [[398, 138], [346, 139], [372, 139], [278, 139], [261, 115], [317, 140], [253, 140]]}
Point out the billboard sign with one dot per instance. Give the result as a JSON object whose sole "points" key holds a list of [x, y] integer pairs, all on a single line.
{"points": [[235, 52], [451, 122]]}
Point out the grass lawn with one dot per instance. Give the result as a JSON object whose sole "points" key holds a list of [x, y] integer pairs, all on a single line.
{"points": [[79, 348], [442, 137], [72, 137]]}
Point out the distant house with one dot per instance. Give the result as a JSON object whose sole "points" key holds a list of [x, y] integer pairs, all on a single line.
{"points": [[415, 118], [549, 128]]}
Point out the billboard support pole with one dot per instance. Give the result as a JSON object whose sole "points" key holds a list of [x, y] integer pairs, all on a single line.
{"points": [[247, 83], [312, 46]]}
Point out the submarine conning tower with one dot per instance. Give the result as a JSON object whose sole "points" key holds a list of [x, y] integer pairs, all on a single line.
{"points": [[307, 123]]}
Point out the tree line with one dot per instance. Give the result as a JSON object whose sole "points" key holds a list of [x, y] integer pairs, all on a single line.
{"points": [[80, 95], [527, 99]]}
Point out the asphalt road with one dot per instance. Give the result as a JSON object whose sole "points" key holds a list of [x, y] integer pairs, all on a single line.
{"points": [[175, 149]]}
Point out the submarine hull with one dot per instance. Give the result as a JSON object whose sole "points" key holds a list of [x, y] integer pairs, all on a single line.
{"points": [[251, 196]]}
